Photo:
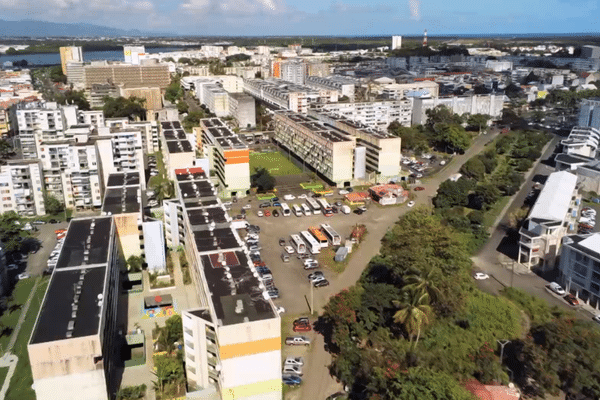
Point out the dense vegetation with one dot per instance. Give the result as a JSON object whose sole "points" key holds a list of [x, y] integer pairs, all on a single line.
{"points": [[132, 108], [415, 327]]}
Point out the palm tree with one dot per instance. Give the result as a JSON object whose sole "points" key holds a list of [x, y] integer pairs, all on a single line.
{"points": [[425, 281], [414, 312]]}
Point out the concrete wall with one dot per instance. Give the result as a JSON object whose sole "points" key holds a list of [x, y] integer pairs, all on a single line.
{"points": [[84, 386]]}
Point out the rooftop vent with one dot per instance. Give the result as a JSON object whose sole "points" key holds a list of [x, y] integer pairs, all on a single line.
{"points": [[71, 325], [239, 306]]}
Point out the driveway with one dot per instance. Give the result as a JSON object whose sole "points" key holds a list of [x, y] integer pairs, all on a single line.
{"points": [[36, 263]]}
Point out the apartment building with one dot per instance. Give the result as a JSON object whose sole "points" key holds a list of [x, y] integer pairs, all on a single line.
{"points": [[120, 150], [98, 91], [372, 114], [396, 42], [149, 75], [177, 150], [590, 52], [93, 118], [242, 107], [216, 99], [151, 95], [22, 187], [75, 75], [228, 156], [293, 71], [489, 104], [236, 326], [132, 54], [123, 201], [326, 150], [401, 90], [378, 154], [589, 113], [582, 141], [550, 219], [342, 84], [72, 346], [72, 53], [287, 95], [579, 267]]}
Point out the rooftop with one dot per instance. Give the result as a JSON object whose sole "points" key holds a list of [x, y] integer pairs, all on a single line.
{"points": [[179, 146], [587, 244], [214, 240], [121, 200], [554, 199], [174, 135], [123, 179], [86, 243], [206, 216], [329, 133]]}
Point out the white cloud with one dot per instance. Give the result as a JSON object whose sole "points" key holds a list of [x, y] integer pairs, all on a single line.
{"points": [[234, 7], [415, 9]]}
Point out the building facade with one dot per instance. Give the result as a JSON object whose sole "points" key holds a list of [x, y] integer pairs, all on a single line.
{"points": [[72, 53], [22, 187], [372, 114], [242, 107], [152, 75], [589, 113], [488, 104], [579, 267]]}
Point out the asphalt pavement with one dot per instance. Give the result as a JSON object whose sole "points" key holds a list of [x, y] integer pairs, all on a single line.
{"points": [[36, 263]]}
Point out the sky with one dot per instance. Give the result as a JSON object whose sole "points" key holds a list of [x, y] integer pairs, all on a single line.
{"points": [[318, 17]]}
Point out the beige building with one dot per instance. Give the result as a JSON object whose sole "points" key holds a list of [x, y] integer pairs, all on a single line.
{"points": [[67, 54], [152, 75], [228, 156], [242, 107], [72, 350], [152, 95], [287, 95]]}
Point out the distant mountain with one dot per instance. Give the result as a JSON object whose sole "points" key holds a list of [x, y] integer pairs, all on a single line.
{"points": [[44, 29]]}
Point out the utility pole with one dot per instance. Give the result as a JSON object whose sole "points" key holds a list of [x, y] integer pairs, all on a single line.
{"points": [[502, 343], [312, 303]]}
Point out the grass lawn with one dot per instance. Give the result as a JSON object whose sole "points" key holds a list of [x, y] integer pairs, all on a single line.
{"points": [[492, 213], [11, 315], [326, 258], [162, 175], [20, 384], [3, 372], [274, 162]]}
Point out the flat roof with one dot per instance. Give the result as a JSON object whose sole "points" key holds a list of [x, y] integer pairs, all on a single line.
{"points": [[121, 200], [179, 146], [207, 215], [554, 199], [174, 135], [208, 240], [242, 286], [196, 189], [124, 178], [170, 125], [72, 296], [86, 242]]}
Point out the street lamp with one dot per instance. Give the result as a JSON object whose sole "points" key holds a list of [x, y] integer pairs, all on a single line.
{"points": [[502, 343]]}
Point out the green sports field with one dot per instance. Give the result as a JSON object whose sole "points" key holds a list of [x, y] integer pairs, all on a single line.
{"points": [[275, 162]]}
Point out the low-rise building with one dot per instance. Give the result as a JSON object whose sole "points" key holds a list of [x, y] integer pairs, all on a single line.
{"points": [[388, 194], [579, 267], [343, 84], [582, 141], [550, 219], [287, 95], [396, 91], [489, 104], [72, 349]]}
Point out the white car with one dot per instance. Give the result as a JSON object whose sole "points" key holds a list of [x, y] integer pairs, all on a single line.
{"points": [[292, 369], [259, 213], [597, 318], [23, 276], [289, 249], [294, 361], [280, 310], [12, 267], [343, 192], [153, 173], [411, 204], [556, 288], [480, 276], [302, 196], [309, 261], [247, 207], [289, 197]]}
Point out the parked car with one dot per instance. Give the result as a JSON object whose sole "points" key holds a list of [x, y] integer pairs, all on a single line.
{"points": [[294, 361], [267, 213], [285, 257], [411, 204], [317, 278], [264, 205], [480, 276], [259, 213], [289, 249], [275, 199], [275, 213], [292, 369], [282, 242], [12, 267], [254, 228], [419, 188], [276, 204], [572, 300], [302, 196], [273, 294], [314, 265], [302, 328], [289, 197], [53, 221], [315, 274], [291, 379], [38, 222], [22, 276], [358, 211], [556, 288], [343, 192], [321, 283], [297, 341], [254, 248], [596, 318], [247, 207]]}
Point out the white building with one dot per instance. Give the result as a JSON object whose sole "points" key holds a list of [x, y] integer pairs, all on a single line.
{"points": [[132, 54], [120, 150], [22, 188], [582, 141], [552, 216], [488, 104], [372, 114], [343, 84], [396, 91], [242, 107], [579, 267], [216, 99], [293, 71], [396, 42], [287, 95]]}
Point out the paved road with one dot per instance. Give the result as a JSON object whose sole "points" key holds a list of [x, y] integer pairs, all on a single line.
{"points": [[318, 383], [36, 263]]}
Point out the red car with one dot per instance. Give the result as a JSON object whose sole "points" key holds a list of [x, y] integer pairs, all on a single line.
{"points": [[572, 300], [267, 213], [419, 188], [302, 327]]}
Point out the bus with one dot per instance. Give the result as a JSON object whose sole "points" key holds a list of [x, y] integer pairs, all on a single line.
{"points": [[331, 234], [312, 244], [298, 244], [285, 210], [315, 207], [319, 236], [297, 210], [326, 207], [306, 210]]}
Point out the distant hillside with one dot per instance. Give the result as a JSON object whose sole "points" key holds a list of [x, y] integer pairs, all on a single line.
{"points": [[43, 29]]}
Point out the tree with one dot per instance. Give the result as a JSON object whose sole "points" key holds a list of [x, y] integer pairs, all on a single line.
{"points": [[262, 180], [134, 263], [473, 168], [487, 194], [77, 98], [10, 231], [166, 369], [5, 148], [52, 204], [452, 193], [414, 313], [132, 392], [182, 107], [412, 138], [193, 119], [442, 115], [11, 51], [453, 136], [57, 76], [424, 281], [132, 108], [174, 91], [480, 121]]}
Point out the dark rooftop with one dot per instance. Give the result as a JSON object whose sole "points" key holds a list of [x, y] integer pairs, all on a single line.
{"points": [[174, 135], [170, 125], [86, 244], [243, 285], [210, 122], [121, 201], [207, 215], [196, 189], [215, 240], [71, 301], [119, 179], [179, 146], [192, 176]]}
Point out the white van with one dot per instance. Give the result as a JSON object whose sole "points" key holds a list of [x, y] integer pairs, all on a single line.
{"points": [[346, 209], [292, 369]]}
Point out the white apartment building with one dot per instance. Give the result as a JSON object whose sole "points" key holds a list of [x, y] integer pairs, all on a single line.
{"points": [[582, 141], [288, 96], [344, 85], [120, 150], [396, 42], [150, 137], [216, 99], [132, 54], [176, 148], [489, 104], [293, 71], [579, 267], [326, 150], [236, 327], [228, 156], [552, 217], [372, 114], [22, 188], [94, 118], [242, 107], [400, 90]]}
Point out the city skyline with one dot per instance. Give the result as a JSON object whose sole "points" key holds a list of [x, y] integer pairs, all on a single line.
{"points": [[311, 17]]}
